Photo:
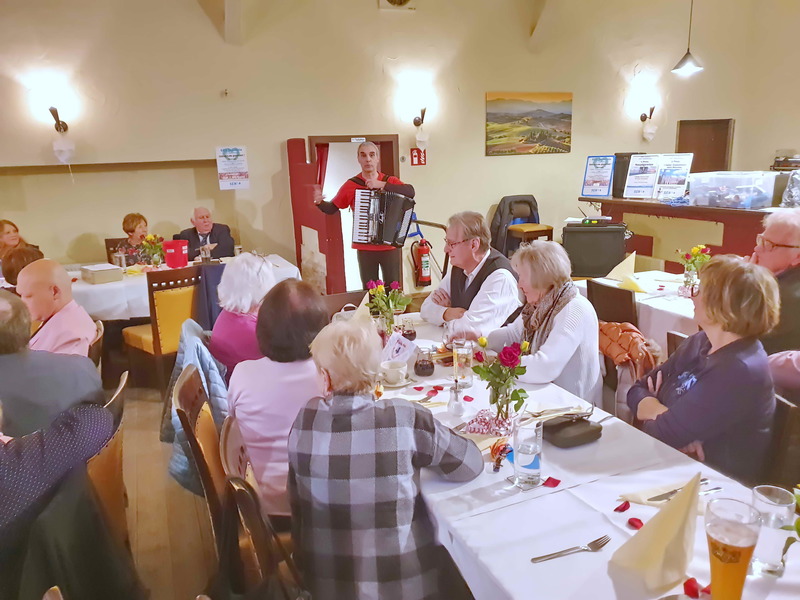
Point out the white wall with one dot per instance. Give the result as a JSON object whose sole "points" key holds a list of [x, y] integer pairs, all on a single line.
{"points": [[151, 76]]}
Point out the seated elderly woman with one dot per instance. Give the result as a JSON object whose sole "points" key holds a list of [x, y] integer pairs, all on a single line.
{"points": [[135, 227], [361, 527], [265, 395], [17, 259], [245, 281], [560, 324], [713, 398], [10, 238]]}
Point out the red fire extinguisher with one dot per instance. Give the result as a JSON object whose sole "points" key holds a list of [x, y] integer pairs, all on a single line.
{"points": [[421, 253]]}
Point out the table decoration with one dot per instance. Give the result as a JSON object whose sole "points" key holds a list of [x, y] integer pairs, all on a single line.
{"points": [[386, 304], [692, 261], [153, 248]]}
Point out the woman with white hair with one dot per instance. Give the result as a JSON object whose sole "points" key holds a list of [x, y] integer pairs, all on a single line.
{"points": [[361, 527], [245, 281], [560, 324]]}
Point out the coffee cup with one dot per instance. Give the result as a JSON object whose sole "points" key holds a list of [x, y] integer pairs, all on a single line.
{"points": [[394, 371]]}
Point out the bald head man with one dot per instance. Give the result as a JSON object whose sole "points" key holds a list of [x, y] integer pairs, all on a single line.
{"points": [[46, 289], [207, 233]]}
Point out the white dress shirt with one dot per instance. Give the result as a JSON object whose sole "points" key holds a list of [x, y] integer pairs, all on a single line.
{"points": [[489, 309]]}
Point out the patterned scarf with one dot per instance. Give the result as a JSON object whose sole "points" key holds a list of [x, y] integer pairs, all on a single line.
{"points": [[538, 318]]}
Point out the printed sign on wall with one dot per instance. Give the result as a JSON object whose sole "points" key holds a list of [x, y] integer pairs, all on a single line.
{"points": [[232, 168], [419, 158]]}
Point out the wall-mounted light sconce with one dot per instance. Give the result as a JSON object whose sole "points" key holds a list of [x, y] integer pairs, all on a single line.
{"points": [[644, 116], [648, 127], [688, 65], [422, 137], [418, 121], [61, 126]]}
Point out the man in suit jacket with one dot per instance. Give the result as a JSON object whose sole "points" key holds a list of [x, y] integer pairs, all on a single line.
{"points": [[204, 233], [35, 386]]}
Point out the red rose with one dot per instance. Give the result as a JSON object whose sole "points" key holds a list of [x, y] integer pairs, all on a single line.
{"points": [[509, 356], [371, 285], [687, 256], [479, 357], [706, 250]]}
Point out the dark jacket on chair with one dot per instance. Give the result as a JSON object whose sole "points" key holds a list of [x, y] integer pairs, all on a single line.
{"points": [[220, 235], [508, 207], [786, 336]]}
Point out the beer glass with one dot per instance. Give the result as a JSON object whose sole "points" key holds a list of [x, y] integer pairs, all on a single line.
{"points": [[732, 531]]}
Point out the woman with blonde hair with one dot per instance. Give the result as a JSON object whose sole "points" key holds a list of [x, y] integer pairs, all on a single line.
{"points": [[713, 398], [559, 324], [245, 281], [10, 238], [135, 227]]}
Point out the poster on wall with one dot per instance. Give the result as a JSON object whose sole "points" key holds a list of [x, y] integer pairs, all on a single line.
{"points": [[598, 175], [642, 172], [673, 172], [232, 168], [528, 123]]}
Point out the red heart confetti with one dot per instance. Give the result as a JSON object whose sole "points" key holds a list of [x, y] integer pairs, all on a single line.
{"points": [[551, 482], [419, 388], [635, 523], [706, 590], [432, 393], [438, 388], [468, 398], [691, 588], [623, 507]]}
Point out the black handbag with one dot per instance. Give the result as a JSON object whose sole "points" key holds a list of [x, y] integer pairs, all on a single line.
{"points": [[568, 432]]}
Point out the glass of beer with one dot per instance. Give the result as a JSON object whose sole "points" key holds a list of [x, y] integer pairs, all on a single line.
{"points": [[732, 531]]}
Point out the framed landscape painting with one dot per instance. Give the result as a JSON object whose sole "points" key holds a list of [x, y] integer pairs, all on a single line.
{"points": [[528, 123]]}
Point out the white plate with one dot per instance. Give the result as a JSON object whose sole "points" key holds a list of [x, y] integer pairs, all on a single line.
{"points": [[407, 381]]}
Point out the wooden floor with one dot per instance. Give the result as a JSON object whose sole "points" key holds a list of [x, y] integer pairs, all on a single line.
{"points": [[169, 526]]}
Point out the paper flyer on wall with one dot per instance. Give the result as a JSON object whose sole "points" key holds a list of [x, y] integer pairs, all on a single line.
{"points": [[598, 175], [641, 180], [673, 173], [232, 168]]}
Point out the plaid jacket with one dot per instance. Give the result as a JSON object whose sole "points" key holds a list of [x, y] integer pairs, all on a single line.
{"points": [[361, 527]]}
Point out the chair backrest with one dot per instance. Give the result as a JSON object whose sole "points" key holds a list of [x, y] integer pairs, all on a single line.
{"points": [[111, 247], [335, 302], [612, 303], [96, 347], [172, 297], [783, 459], [233, 452], [117, 403], [674, 340], [105, 473], [191, 403]]}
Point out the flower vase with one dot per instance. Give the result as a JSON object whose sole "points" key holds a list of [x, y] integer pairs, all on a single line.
{"points": [[690, 280]]}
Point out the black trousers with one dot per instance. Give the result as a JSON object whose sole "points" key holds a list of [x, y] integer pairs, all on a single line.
{"points": [[388, 261]]}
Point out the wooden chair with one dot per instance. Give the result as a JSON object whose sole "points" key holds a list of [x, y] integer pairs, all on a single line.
{"points": [[674, 340], [335, 302], [612, 303], [117, 403], [783, 459], [530, 231], [233, 453], [96, 347], [191, 403], [105, 473], [111, 247], [172, 295]]}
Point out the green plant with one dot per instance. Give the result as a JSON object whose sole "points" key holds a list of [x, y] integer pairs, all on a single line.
{"points": [[793, 528], [153, 247], [695, 258], [385, 304], [501, 377]]}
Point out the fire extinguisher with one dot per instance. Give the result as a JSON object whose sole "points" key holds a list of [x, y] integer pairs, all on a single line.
{"points": [[421, 253]]}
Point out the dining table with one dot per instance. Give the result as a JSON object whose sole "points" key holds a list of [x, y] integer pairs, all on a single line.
{"points": [[660, 307], [492, 528]]}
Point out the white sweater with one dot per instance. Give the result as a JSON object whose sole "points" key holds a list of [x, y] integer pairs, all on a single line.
{"points": [[569, 356]]}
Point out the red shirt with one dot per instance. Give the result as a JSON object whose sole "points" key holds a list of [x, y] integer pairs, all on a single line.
{"points": [[346, 197]]}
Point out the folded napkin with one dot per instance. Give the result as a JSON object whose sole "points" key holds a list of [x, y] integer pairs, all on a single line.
{"points": [[482, 441], [623, 269], [629, 283], [641, 497], [362, 312], [659, 553]]}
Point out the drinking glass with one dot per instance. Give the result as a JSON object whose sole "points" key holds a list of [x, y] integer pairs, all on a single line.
{"points": [[776, 506], [462, 363], [527, 452], [409, 330], [424, 366], [732, 531]]}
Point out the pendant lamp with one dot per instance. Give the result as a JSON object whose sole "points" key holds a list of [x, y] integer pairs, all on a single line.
{"points": [[688, 65]]}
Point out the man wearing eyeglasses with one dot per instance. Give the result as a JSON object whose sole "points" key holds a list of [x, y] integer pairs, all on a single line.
{"points": [[480, 291], [778, 249]]}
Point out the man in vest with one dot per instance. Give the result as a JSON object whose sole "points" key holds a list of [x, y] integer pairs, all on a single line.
{"points": [[480, 291]]}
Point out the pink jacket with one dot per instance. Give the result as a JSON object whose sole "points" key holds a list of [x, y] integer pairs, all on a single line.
{"points": [[69, 331], [785, 369]]}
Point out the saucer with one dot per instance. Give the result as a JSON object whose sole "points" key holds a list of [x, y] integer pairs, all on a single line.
{"points": [[402, 383]]}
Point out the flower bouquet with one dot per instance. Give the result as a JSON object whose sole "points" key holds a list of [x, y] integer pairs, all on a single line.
{"points": [[153, 249], [501, 379], [386, 304], [692, 261]]}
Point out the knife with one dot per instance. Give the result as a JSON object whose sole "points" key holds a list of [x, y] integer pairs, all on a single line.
{"points": [[671, 493]]}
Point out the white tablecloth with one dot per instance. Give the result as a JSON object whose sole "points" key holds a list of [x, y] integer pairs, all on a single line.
{"points": [[127, 299], [659, 311], [492, 529]]}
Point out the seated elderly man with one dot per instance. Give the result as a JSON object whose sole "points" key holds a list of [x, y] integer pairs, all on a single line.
{"points": [[480, 291], [216, 236], [360, 526], [46, 289], [36, 386], [778, 249]]}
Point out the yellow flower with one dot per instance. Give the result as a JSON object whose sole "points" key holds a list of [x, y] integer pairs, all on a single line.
{"points": [[380, 289], [150, 237], [483, 342], [524, 346], [696, 250]]}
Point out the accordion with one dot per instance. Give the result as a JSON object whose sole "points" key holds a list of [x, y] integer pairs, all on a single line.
{"points": [[381, 218]]}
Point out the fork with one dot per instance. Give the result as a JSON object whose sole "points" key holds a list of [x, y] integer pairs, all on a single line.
{"points": [[592, 546]]}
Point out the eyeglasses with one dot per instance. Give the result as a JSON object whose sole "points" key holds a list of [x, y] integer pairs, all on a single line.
{"points": [[449, 244], [694, 290], [769, 245]]}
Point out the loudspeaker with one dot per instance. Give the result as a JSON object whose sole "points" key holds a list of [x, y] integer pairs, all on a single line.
{"points": [[594, 249]]}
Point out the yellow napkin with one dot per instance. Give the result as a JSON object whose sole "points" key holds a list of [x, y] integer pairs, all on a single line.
{"points": [[659, 553], [641, 497], [482, 441], [629, 283], [623, 269], [135, 269], [362, 312]]}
